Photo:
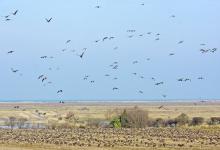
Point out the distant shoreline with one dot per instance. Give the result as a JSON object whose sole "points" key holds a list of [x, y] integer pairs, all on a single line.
{"points": [[109, 101]]}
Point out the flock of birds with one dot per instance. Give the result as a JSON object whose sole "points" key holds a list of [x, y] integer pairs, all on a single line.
{"points": [[115, 65]]}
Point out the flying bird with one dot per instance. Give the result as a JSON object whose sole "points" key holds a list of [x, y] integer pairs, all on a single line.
{"points": [[14, 13], [43, 57], [98, 6], [141, 92], [68, 41], [41, 76], [180, 42], [14, 71], [45, 78], [59, 91], [159, 83], [105, 38], [200, 78], [114, 88], [48, 20], [10, 52]]}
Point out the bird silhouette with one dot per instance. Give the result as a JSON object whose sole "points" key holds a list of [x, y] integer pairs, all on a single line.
{"points": [[43, 57], [68, 41], [48, 20], [14, 70], [45, 78], [105, 38], [180, 42], [8, 19], [59, 91], [14, 13], [41, 76], [97, 6], [114, 88], [10, 52], [141, 92], [159, 83]]}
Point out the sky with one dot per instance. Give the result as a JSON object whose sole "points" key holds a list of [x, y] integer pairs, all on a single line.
{"points": [[30, 36]]}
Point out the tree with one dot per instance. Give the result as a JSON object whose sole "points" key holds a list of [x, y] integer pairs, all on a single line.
{"points": [[182, 119], [21, 122], [11, 122]]}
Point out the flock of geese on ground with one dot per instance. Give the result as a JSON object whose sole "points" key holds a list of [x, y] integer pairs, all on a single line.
{"points": [[115, 65]]}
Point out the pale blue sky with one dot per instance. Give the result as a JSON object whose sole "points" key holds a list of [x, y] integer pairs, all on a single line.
{"points": [[30, 36]]}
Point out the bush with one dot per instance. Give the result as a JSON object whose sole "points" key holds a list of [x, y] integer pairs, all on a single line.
{"points": [[134, 118], [171, 123], [116, 123], [159, 122], [197, 121], [93, 123], [182, 119], [214, 120]]}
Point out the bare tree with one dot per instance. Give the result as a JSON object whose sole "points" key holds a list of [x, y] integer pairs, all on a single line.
{"points": [[11, 122], [21, 122]]}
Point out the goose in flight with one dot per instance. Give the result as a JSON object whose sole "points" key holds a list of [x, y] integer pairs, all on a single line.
{"points": [[115, 88], [41, 76], [43, 57], [45, 78], [187, 79], [48, 20], [213, 50], [10, 52], [141, 92], [14, 70], [171, 54], [135, 62], [181, 79], [112, 37], [59, 91], [200, 78], [115, 67], [159, 83], [164, 96], [81, 55], [15, 13], [68, 41], [131, 31], [97, 6], [7, 16], [180, 42], [105, 38]]}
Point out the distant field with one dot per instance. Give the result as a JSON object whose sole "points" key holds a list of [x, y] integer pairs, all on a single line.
{"points": [[34, 111]]}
